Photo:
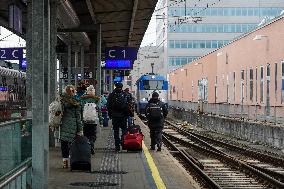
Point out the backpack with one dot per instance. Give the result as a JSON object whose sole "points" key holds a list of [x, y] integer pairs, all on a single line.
{"points": [[119, 102], [90, 112], [155, 112], [54, 108]]}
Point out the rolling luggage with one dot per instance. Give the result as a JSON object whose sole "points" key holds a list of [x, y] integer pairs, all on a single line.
{"points": [[80, 154], [132, 140]]}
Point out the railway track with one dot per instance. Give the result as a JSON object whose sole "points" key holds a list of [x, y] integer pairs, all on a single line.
{"points": [[223, 165]]}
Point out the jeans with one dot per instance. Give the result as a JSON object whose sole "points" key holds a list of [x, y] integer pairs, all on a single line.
{"points": [[129, 121], [156, 137], [119, 123], [105, 119], [65, 147], [90, 131]]}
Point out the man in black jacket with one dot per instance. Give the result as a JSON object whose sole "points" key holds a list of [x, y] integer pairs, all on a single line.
{"points": [[156, 112], [117, 106]]}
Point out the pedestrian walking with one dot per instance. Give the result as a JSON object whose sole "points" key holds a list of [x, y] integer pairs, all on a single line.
{"points": [[90, 102], [130, 107], [117, 106], [71, 121], [156, 112]]}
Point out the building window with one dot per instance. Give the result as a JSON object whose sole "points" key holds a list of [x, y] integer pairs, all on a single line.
{"points": [[224, 11], [261, 84], [251, 84], [282, 90], [256, 77], [242, 85], [268, 89], [234, 86], [275, 78]]}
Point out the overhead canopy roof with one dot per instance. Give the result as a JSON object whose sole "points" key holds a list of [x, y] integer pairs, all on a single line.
{"points": [[123, 22]]}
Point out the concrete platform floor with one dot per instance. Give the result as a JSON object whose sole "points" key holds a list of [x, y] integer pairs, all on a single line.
{"points": [[126, 170]]}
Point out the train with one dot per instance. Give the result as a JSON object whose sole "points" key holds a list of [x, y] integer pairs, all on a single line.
{"points": [[146, 85], [12, 92]]}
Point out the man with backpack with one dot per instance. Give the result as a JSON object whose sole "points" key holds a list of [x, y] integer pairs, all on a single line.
{"points": [[156, 112], [117, 106]]}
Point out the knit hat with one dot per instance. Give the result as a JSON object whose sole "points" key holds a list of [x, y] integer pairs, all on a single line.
{"points": [[155, 95], [118, 85]]}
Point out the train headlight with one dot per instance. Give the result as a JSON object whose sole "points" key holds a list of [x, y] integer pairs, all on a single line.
{"points": [[143, 99]]}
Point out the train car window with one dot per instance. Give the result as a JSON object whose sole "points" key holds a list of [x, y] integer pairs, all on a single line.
{"points": [[153, 85]]}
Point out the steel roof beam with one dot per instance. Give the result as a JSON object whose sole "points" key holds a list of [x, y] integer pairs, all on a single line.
{"points": [[135, 5]]}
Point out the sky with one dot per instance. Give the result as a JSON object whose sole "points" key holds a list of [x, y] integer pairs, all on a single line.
{"points": [[150, 35], [11, 40]]}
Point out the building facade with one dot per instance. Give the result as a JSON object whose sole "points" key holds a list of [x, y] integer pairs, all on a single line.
{"points": [[187, 30], [248, 71]]}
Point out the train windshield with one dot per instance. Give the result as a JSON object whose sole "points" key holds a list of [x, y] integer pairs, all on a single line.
{"points": [[153, 84]]}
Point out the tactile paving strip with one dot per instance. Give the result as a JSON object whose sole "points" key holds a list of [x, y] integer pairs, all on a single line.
{"points": [[110, 164]]}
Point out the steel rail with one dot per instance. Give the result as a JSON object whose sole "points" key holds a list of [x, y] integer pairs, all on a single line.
{"points": [[193, 164], [233, 161]]}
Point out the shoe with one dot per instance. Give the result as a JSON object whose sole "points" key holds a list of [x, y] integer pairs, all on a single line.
{"points": [[65, 164], [117, 149], [159, 149], [152, 148]]}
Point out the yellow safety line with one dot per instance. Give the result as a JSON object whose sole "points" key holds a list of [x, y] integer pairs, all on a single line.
{"points": [[155, 173]]}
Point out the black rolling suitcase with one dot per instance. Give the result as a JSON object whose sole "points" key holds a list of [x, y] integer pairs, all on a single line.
{"points": [[80, 154]]}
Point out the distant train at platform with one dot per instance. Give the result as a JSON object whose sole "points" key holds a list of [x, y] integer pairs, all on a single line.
{"points": [[146, 85], [12, 92]]}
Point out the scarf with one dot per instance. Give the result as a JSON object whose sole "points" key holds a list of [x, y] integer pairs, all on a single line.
{"points": [[70, 100]]}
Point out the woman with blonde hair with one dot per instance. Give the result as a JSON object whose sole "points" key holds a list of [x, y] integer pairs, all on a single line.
{"points": [[71, 121]]}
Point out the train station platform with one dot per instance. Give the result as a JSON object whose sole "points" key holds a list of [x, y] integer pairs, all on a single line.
{"points": [[137, 170]]}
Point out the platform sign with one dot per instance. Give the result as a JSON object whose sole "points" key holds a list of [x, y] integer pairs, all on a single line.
{"points": [[121, 53], [118, 64], [11, 53], [23, 64]]}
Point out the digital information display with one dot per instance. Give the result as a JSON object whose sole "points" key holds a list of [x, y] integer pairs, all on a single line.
{"points": [[118, 64], [118, 79]]}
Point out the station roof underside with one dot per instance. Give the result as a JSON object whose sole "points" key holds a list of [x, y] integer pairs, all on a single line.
{"points": [[123, 22]]}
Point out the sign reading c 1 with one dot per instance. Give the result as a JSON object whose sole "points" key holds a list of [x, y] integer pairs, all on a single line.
{"points": [[121, 53], [11, 53]]}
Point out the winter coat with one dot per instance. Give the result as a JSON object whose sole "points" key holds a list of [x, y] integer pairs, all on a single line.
{"points": [[153, 125], [71, 119]]}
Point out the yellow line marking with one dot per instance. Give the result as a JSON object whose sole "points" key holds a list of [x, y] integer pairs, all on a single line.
{"points": [[155, 173]]}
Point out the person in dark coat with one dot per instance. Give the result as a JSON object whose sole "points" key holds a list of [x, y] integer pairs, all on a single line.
{"points": [[71, 123], [117, 107], [156, 125], [130, 107]]}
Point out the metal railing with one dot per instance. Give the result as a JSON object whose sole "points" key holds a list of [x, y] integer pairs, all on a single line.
{"points": [[15, 153], [20, 177], [273, 114]]}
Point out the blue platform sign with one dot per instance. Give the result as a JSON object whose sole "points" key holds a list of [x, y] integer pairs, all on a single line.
{"points": [[121, 53], [118, 64], [23, 64], [11, 53]]}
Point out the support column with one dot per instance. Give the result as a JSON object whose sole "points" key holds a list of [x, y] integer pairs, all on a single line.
{"points": [[29, 60], [53, 57], [60, 69], [40, 56], [111, 81], [76, 59], [69, 58], [99, 73], [82, 62]]}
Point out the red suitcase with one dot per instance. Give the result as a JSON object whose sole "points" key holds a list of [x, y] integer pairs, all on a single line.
{"points": [[133, 141]]}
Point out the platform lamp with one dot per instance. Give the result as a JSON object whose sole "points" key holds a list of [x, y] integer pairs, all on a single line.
{"points": [[260, 37], [184, 69]]}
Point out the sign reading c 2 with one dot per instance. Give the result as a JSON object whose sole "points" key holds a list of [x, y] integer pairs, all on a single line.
{"points": [[11, 53]]}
